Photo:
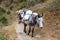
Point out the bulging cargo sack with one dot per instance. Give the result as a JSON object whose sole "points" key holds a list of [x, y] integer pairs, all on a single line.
{"points": [[21, 13], [27, 15]]}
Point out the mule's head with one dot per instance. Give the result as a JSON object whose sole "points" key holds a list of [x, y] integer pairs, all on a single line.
{"points": [[40, 21]]}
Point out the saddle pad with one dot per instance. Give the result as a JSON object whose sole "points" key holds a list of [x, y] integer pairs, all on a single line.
{"points": [[26, 22], [26, 17]]}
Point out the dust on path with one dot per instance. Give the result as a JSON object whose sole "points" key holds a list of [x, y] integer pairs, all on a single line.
{"points": [[20, 34]]}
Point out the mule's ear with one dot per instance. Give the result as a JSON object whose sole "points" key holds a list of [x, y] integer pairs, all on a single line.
{"points": [[42, 14], [38, 16]]}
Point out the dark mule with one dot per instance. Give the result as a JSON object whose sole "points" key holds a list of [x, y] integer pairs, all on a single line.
{"points": [[25, 19], [32, 22]]}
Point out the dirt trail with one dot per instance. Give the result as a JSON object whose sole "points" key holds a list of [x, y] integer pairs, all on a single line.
{"points": [[20, 34], [18, 28]]}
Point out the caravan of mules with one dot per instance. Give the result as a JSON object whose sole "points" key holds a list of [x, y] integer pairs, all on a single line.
{"points": [[30, 18]]}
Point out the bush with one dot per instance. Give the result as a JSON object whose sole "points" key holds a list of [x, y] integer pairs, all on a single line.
{"points": [[8, 12], [3, 37], [33, 2], [23, 4], [39, 1], [11, 1], [8, 4], [21, 0], [53, 5], [11, 7], [3, 20], [0, 0], [2, 11]]}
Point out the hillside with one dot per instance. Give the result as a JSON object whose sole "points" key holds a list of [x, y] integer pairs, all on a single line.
{"points": [[50, 8]]}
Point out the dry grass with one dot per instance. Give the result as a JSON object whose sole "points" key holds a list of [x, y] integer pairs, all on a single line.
{"points": [[51, 30], [10, 32]]}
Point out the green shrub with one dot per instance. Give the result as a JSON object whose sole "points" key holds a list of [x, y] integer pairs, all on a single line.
{"points": [[1, 0], [11, 7], [33, 2], [21, 0], [8, 12], [2, 11], [39, 1], [53, 6], [8, 4], [23, 4], [3, 20], [11, 1], [3, 37], [36, 1]]}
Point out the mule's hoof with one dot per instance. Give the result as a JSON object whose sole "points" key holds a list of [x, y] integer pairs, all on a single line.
{"points": [[32, 36], [24, 31], [19, 22], [28, 34]]}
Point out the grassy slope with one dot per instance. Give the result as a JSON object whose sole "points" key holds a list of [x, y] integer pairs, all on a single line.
{"points": [[51, 24], [51, 30], [8, 30]]}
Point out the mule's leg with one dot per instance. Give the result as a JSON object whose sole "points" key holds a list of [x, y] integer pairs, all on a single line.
{"points": [[20, 20], [25, 27], [32, 30], [29, 30], [41, 27]]}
